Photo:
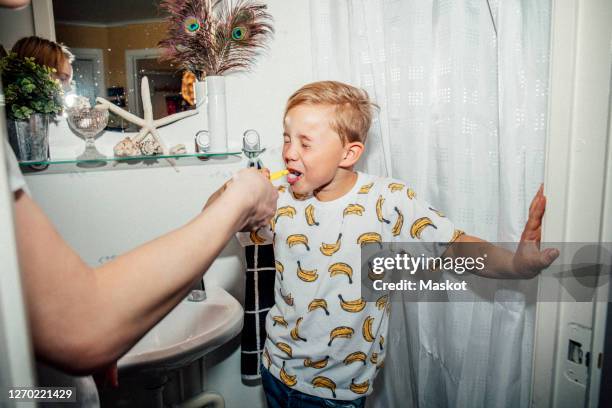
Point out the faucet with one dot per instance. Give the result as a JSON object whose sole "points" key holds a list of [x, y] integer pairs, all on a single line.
{"points": [[198, 293], [252, 149]]}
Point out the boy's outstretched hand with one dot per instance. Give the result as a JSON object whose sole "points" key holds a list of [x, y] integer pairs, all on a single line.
{"points": [[528, 260]]}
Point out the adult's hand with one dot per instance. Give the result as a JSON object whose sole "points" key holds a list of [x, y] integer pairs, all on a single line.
{"points": [[252, 189]]}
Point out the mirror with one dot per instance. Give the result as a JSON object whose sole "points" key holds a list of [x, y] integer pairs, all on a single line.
{"points": [[115, 45]]}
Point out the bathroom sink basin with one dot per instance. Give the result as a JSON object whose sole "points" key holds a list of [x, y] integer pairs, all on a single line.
{"points": [[188, 332]]}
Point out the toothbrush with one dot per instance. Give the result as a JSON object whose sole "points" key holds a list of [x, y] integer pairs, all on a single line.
{"points": [[278, 174]]}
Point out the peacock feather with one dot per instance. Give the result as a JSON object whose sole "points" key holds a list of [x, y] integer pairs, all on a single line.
{"points": [[215, 37]]}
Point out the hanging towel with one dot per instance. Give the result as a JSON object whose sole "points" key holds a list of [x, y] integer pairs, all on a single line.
{"points": [[258, 300]]}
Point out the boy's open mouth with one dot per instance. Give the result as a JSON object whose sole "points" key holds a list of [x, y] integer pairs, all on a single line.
{"points": [[293, 176]]}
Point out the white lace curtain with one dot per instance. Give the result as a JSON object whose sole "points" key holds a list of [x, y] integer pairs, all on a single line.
{"points": [[462, 87]]}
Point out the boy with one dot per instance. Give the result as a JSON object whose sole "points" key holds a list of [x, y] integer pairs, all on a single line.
{"points": [[325, 343]]}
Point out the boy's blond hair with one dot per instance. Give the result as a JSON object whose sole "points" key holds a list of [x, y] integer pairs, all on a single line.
{"points": [[353, 108]]}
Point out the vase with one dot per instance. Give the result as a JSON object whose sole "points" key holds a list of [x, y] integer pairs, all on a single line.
{"points": [[211, 94], [30, 138]]}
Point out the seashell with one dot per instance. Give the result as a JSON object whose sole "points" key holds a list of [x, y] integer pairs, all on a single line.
{"points": [[178, 149], [150, 147], [126, 148]]}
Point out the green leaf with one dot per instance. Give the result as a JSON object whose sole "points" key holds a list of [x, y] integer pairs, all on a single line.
{"points": [[29, 87]]}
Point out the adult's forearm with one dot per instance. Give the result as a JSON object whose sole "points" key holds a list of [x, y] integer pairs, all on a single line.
{"points": [[157, 275], [82, 318]]}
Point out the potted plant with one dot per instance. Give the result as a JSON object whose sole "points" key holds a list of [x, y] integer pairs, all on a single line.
{"points": [[33, 97]]}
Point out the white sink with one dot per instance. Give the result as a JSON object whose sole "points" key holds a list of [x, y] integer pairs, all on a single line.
{"points": [[188, 332]]}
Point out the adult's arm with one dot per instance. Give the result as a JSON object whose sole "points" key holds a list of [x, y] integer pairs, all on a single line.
{"points": [[82, 318]]}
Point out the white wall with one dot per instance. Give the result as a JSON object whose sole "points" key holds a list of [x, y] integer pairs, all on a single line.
{"points": [[102, 214]]}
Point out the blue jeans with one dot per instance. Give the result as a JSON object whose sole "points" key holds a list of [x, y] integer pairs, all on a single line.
{"points": [[279, 395]]}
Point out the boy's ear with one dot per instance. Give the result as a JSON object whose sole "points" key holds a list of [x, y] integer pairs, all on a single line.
{"points": [[352, 153]]}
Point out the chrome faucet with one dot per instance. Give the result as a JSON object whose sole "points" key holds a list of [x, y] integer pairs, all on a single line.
{"points": [[251, 148], [198, 293]]}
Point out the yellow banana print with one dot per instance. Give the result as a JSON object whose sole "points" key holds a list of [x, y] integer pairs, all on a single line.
{"points": [[272, 224], [438, 212], [266, 355], [356, 356], [295, 335], [381, 342], [298, 239], [456, 235], [381, 302], [324, 382], [374, 358], [419, 225], [411, 194], [281, 189], [288, 380], [352, 306], [367, 329], [393, 187], [287, 298], [285, 348], [299, 196], [360, 388], [330, 249], [353, 209], [397, 228], [280, 321], [316, 364], [306, 275], [310, 218], [365, 189], [256, 239], [340, 332], [286, 211], [379, 210], [279, 268], [318, 304], [341, 268], [368, 238]]}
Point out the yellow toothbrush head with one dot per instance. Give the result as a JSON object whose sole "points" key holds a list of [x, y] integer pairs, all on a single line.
{"points": [[278, 174]]}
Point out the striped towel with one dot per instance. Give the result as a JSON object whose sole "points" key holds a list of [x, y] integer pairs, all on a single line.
{"points": [[258, 299]]}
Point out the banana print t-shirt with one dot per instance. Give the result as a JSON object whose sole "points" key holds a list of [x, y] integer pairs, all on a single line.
{"points": [[323, 338]]}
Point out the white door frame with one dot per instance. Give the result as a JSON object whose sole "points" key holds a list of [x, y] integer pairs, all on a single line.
{"points": [[131, 72], [97, 56], [577, 161], [44, 22]]}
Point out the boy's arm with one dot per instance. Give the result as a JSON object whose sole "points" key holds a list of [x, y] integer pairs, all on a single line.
{"points": [[500, 263]]}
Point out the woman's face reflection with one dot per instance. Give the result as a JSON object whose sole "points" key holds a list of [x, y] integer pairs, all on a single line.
{"points": [[64, 75]]}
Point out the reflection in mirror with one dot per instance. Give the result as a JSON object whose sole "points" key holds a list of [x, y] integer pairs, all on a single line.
{"points": [[115, 45]]}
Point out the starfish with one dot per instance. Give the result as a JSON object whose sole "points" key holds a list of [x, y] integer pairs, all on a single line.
{"points": [[147, 124]]}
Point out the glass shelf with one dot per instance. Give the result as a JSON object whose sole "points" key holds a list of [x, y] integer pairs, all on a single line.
{"points": [[54, 166]]}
